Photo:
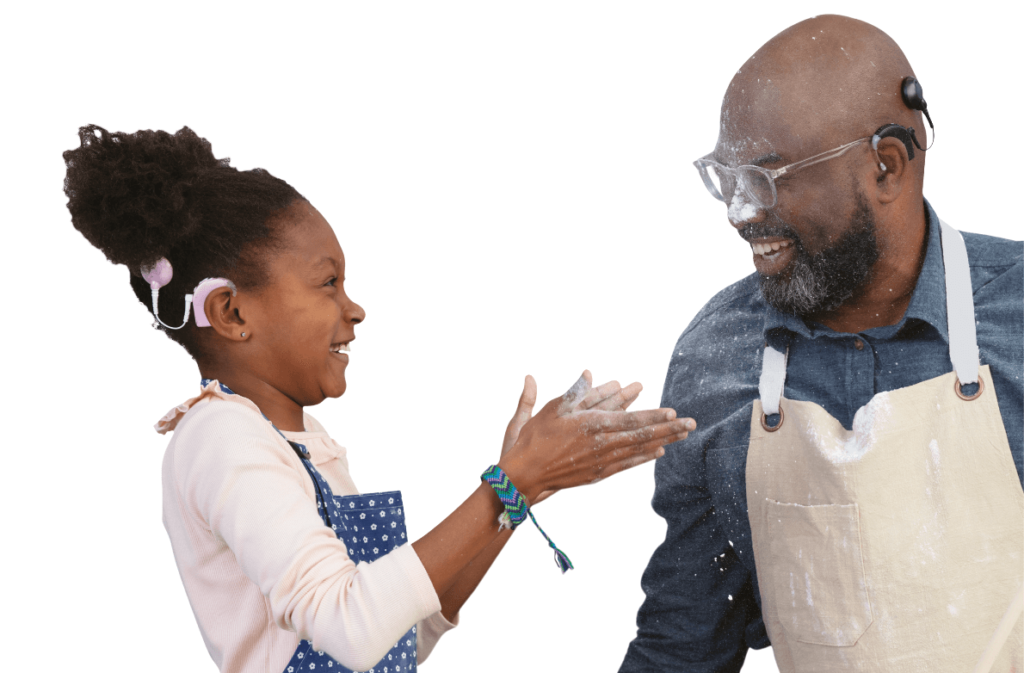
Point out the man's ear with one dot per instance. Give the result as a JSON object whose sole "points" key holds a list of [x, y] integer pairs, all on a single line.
{"points": [[893, 170], [225, 312]]}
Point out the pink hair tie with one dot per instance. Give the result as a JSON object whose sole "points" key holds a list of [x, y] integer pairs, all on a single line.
{"points": [[160, 274]]}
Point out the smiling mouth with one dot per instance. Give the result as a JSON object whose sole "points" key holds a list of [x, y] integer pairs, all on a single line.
{"points": [[340, 348], [769, 249]]}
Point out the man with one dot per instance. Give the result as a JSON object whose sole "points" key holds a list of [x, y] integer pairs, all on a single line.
{"points": [[852, 495]]}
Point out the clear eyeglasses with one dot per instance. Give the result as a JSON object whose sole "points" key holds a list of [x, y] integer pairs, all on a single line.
{"points": [[756, 182]]}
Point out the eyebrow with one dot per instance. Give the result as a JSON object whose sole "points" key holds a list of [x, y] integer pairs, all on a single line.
{"points": [[769, 158], [326, 259]]}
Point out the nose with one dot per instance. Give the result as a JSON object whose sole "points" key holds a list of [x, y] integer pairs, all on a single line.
{"points": [[353, 313], [743, 211]]}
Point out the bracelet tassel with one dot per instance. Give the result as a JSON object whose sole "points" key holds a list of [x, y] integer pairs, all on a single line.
{"points": [[516, 510]]}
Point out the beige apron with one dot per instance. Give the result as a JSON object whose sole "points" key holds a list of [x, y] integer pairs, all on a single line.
{"points": [[898, 545]]}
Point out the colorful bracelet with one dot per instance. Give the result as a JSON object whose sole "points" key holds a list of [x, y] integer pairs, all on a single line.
{"points": [[517, 509]]}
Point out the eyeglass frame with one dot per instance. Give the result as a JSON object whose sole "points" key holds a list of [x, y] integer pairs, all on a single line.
{"points": [[771, 174]]}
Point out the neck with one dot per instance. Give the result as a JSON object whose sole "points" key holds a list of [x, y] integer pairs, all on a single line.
{"points": [[284, 412], [884, 300]]}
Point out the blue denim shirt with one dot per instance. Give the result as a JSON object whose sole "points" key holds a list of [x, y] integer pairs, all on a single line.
{"points": [[703, 606]]}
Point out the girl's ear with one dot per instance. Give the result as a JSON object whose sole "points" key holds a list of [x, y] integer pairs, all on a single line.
{"points": [[226, 314]]}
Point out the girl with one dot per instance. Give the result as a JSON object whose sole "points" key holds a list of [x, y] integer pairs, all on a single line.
{"points": [[286, 566]]}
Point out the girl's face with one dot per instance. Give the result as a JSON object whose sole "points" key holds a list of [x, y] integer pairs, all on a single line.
{"points": [[303, 316]]}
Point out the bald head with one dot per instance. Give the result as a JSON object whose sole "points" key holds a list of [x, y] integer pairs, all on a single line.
{"points": [[843, 240], [818, 84]]}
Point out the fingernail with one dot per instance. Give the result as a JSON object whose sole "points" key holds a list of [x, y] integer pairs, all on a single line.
{"points": [[660, 452], [691, 425], [670, 414]]}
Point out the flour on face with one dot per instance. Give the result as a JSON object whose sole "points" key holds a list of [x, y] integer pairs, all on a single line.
{"points": [[740, 209]]}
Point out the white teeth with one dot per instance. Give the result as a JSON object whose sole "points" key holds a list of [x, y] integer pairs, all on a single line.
{"points": [[768, 248], [343, 348]]}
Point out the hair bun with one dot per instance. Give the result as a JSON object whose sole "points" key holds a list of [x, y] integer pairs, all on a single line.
{"points": [[132, 195]]}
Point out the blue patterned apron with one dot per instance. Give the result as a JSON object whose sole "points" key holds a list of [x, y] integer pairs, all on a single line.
{"points": [[370, 525]]}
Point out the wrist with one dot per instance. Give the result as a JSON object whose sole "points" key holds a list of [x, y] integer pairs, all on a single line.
{"points": [[520, 476], [517, 508]]}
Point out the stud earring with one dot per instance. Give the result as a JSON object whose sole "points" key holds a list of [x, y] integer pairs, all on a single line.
{"points": [[243, 335]]}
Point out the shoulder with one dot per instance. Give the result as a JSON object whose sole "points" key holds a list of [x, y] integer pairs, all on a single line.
{"points": [[217, 434], [995, 260], [716, 363], [984, 250], [723, 336], [218, 417], [735, 304]]}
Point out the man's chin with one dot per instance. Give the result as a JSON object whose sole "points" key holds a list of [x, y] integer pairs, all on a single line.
{"points": [[794, 289]]}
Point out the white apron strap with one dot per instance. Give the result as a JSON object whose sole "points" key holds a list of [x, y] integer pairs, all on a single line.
{"points": [[773, 378], [963, 337], [999, 638]]}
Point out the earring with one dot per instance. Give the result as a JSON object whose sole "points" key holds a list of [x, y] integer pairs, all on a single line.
{"points": [[243, 335]]}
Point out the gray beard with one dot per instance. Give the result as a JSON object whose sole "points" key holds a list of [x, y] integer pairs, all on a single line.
{"points": [[822, 282]]}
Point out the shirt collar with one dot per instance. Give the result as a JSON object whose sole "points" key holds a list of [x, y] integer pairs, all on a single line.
{"points": [[927, 304]]}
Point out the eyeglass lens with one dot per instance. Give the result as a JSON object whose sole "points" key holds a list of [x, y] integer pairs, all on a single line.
{"points": [[755, 184]]}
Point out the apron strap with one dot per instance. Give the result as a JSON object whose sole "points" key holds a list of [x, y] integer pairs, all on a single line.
{"points": [[1002, 633], [773, 378], [963, 337]]}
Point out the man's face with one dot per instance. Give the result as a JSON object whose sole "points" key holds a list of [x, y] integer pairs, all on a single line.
{"points": [[813, 284], [816, 247]]}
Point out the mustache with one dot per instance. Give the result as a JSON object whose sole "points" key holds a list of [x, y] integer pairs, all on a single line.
{"points": [[753, 231]]}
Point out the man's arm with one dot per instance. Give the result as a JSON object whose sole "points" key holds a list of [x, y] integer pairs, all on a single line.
{"points": [[701, 611], [699, 595]]}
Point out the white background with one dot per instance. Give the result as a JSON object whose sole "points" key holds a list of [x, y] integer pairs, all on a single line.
{"points": [[512, 186]]}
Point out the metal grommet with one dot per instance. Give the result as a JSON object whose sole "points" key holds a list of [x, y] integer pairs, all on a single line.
{"points": [[782, 419], [956, 387]]}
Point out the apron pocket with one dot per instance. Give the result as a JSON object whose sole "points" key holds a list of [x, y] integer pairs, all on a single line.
{"points": [[817, 572]]}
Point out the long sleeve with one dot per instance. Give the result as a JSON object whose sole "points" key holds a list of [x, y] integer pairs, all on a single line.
{"points": [[701, 611], [239, 506], [699, 597]]}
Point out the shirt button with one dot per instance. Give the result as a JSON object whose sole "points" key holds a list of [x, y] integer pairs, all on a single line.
{"points": [[858, 344]]}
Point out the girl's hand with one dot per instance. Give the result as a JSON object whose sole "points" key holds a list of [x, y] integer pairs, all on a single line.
{"points": [[579, 439], [607, 397]]}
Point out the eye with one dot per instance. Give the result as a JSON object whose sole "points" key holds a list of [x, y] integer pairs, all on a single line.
{"points": [[331, 282]]}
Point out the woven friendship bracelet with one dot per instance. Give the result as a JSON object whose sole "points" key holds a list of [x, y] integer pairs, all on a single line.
{"points": [[517, 509]]}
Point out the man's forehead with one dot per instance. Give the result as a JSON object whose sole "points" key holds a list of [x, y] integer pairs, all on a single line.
{"points": [[816, 85], [760, 138], [773, 115]]}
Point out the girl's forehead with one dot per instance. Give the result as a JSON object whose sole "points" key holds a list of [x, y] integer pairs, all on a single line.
{"points": [[311, 237], [310, 240]]}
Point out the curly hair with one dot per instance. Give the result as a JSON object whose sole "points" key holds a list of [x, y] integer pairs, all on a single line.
{"points": [[151, 194]]}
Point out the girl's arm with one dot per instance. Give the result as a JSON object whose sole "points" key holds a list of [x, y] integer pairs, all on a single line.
{"points": [[609, 397], [563, 446]]}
